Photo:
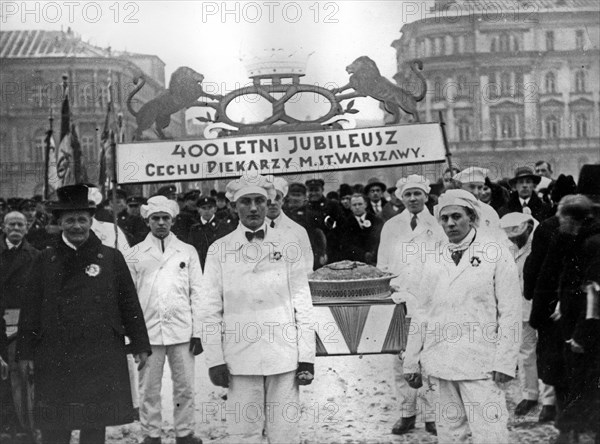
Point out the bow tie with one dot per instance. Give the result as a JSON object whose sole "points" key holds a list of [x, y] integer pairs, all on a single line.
{"points": [[260, 235]]}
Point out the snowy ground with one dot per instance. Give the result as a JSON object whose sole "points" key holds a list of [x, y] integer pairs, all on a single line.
{"points": [[352, 400]]}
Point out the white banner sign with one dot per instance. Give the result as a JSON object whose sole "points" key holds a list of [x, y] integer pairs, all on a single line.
{"points": [[285, 153]]}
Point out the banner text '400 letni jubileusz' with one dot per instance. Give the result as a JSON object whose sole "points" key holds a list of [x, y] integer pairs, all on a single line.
{"points": [[284, 153]]}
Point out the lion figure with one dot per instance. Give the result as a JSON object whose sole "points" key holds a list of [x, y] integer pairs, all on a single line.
{"points": [[366, 80], [185, 88]]}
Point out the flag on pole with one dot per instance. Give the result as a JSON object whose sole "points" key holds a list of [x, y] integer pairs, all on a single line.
{"points": [[107, 141], [53, 180], [68, 156]]}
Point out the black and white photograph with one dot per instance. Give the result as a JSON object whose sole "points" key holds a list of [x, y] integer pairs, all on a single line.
{"points": [[300, 222]]}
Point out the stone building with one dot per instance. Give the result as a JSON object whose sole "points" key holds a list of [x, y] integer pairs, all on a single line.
{"points": [[33, 63], [516, 81]]}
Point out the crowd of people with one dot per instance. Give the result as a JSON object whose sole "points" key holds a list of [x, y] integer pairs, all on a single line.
{"points": [[190, 265]]}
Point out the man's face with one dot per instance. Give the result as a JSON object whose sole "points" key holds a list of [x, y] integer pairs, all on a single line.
{"points": [[315, 193], [296, 199], [447, 179], [375, 193], [252, 209], [160, 224], [475, 188], [75, 226], [120, 205], [345, 201], [15, 227], [221, 203], [358, 206], [207, 211], [274, 207], [455, 222], [414, 200], [29, 213], [486, 194], [133, 209], [543, 170], [524, 187]]}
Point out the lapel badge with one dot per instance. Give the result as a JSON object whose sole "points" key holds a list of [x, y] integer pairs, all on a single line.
{"points": [[277, 255], [182, 265], [475, 261], [92, 270], [100, 255]]}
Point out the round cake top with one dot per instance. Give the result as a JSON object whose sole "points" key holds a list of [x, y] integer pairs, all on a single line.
{"points": [[347, 271]]}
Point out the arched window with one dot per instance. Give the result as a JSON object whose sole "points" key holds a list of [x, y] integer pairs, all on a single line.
{"points": [[550, 83], [552, 127], [505, 84], [504, 43], [507, 127], [580, 81], [581, 124], [464, 129]]}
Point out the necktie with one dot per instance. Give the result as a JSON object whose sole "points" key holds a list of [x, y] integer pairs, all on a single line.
{"points": [[272, 225], [456, 255], [162, 244], [413, 222], [260, 235]]}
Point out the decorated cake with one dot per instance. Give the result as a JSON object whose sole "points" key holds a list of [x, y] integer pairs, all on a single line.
{"points": [[349, 280]]}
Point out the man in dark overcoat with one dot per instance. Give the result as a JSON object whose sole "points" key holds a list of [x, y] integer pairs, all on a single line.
{"points": [[72, 327], [16, 259], [524, 199], [361, 233]]}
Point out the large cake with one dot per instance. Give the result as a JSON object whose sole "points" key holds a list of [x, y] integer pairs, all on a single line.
{"points": [[349, 280]]}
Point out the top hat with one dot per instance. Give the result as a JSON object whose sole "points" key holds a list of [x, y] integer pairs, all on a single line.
{"points": [[374, 182], [589, 182], [72, 198], [525, 172]]}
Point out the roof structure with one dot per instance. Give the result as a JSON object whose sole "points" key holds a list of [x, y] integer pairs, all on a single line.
{"points": [[39, 43]]}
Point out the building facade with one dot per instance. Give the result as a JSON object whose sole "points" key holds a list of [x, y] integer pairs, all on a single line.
{"points": [[33, 64], [515, 81]]}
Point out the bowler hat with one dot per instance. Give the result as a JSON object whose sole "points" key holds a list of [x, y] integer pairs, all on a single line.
{"points": [[589, 182], [522, 172], [206, 200], [72, 198], [374, 182]]}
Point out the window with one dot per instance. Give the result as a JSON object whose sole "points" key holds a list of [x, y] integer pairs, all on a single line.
{"points": [[456, 43], [493, 46], [550, 83], [579, 39], [463, 87], [580, 81], [515, 41], [507, 127], [464, 130], [581, 125], [505, 84], [552, 127], [549, 40], [87, 147], [504, 40], [438, 88]]}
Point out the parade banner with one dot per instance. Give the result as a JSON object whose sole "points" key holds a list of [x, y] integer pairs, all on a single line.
{"points": [[284, 153]]}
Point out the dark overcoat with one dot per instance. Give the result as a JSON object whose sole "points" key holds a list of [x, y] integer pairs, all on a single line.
{"points": [[357, 241], [14, 272], [83, 302], [201, 236], [539, 209]]}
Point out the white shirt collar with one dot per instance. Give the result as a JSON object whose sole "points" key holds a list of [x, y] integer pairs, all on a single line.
{"points": [[69, 244], [10, 245], [166, 241], [525, 201], [204, 222], [463, 244], [277, 220]]}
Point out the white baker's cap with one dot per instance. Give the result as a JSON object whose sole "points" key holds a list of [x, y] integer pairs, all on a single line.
{"points": [[458, 197], [280, 184], [95, 195], [412, 181], [472, 174], [159, 204], [254, 185], [515, 224]]}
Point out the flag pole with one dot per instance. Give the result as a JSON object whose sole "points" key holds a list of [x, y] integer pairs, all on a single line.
{"points": [[47, 158]]}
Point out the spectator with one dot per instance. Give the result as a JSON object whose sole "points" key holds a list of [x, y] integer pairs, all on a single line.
{"points": [[361, 233], [393, 207], [374, 191], [524, 199]]}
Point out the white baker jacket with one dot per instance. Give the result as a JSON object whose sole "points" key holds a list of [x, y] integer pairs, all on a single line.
{"points": [[168, 286], [283, 222], [256, 308], [520, 255], [403, 251], [471, 323]]}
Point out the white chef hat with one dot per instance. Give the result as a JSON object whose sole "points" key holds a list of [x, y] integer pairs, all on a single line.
{"points": [[472, 174], [280, 184], [95, 195], [412, 181], [250, 185], [458, 197], [159, 204], [515, 224]]}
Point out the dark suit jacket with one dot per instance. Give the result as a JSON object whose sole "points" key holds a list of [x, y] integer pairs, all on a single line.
{"points": [[361, 244], [370, 209], [202, 236], [539, 210], [15, 268]]}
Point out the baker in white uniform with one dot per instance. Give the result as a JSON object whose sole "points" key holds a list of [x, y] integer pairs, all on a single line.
{"points": [[467, 336], [256, 320]]}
